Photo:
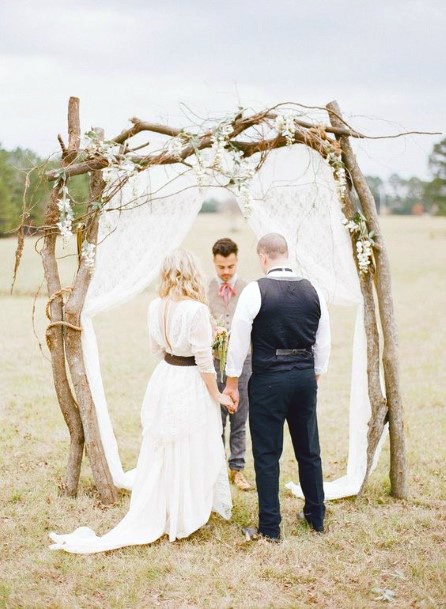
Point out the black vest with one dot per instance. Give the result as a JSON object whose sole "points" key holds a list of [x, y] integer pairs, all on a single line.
{"points": [[288, 319]]}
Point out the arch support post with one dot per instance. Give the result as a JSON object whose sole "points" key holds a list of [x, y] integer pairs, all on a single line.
{"points": [[73, 344], [390, 360], [55, 335], [64, 332]]}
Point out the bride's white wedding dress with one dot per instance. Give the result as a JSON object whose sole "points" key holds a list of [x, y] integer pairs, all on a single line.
{"points": [[181, 472]]}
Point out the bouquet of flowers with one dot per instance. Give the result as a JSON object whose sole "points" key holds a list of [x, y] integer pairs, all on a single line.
{"points": [[220, 346]]}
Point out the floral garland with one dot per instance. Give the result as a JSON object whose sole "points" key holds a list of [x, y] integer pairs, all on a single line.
{"points": [[88, 253], [364, 241], [118, 164], [285, 125], [66, 215], [225, 159]]}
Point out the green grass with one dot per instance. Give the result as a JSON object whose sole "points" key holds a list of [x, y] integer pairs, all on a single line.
{"points": [[373, 542]]}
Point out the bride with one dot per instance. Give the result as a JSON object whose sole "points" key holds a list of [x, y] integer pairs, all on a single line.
{"points": [[181, 472]]}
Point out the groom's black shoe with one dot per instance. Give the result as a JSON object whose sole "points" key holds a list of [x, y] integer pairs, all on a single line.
{"points": [[252, 533], [317, 529]]}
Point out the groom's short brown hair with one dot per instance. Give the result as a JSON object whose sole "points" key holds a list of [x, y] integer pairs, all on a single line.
{"points": [[225, 247], [273, 245]]}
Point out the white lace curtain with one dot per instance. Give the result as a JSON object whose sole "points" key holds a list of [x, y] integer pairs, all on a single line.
{"points": [[148, 218], [294, 194]]}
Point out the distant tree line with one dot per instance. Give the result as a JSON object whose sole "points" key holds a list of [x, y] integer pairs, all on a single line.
{"points": [[22, 180], [398, 195], [23, 184]]}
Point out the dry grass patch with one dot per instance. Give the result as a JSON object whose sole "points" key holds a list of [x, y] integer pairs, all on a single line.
{"points": [[373, 545]]}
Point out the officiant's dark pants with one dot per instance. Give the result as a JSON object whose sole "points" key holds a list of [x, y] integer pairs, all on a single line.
{"points": [[276, 397]]}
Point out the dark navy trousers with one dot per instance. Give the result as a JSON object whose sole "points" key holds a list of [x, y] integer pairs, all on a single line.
{"points": [[276, 397]]}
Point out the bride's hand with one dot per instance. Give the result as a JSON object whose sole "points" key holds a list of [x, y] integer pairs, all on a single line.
{"points": [[226, 400]]}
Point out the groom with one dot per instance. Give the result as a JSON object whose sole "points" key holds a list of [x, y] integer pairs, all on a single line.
{"points": [[286, 320]]}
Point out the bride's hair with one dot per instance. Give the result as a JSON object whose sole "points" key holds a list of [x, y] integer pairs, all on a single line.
{"points": [[181, 277]]}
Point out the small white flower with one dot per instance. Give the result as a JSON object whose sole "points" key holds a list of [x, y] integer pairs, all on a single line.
{"points": [[363, 244], [286, 126], [175, 146], [88, 253], [66, 214], [246, 200], [237, 155], [200, 173]]}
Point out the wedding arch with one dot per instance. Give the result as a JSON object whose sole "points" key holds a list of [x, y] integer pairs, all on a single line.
{"points": [[327, 213]]}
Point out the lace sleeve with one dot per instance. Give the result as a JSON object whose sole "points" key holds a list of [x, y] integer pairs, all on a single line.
{"points": [[201, 340]]}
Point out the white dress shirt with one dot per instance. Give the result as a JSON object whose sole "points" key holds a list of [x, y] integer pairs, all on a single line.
{"points": [[248, 307]]}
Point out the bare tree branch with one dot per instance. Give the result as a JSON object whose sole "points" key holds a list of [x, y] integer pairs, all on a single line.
{"points": [[139, 125], [311, 134]]}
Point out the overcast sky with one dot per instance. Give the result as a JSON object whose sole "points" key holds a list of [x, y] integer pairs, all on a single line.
{"points": [[383, 61]]}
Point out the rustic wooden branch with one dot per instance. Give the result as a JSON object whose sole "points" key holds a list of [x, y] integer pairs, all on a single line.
{"points": [[343, 129], [74, 125], [62, 144], [378, 402], [398, 465], [307, 134], [64, 337], [137, 147], [139, 125], [347, 130], [75, 358], [55, 335], [165, 157]]}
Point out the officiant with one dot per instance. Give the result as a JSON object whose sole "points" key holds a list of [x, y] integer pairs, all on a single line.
{"points": [[223, 293]]}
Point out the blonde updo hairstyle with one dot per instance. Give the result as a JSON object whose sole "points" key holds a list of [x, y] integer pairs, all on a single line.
{"points": [[181, 277]]}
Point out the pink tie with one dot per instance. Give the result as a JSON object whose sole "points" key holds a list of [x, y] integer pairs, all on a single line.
{"points": [[226, 291]]}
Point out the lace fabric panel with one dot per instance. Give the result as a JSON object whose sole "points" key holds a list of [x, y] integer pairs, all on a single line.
{"points": [[149, 217], [134, 240], [295, 194]]}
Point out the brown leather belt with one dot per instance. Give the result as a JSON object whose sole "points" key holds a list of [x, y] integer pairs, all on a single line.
{"points": [[179, 360], [293, 352]]}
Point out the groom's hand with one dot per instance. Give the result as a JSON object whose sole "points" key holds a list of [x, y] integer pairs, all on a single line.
{"points": [[231, 389], [235, 397]]}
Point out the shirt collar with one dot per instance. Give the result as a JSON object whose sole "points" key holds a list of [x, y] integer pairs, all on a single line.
{"points": [[282, 273]]}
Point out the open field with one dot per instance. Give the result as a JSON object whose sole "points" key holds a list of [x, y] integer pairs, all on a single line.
{"points": [[373, 542]]}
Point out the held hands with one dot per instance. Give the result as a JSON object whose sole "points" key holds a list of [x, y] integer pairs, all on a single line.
{"points": [[232, 391], [227, 401]]}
